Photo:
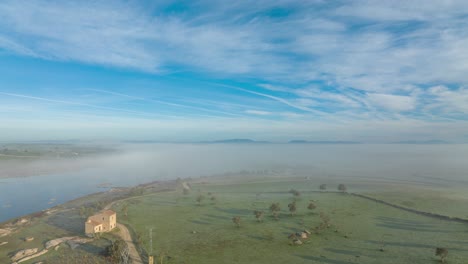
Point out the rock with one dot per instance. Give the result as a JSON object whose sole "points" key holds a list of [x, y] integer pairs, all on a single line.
{"points": [[194, 232], [3, 243], [56, 248], [5, 231], [29, 239], [304, 235], [297, 242], [72, 244], [307, 231], [81, 240], [24, 253], [55, 242], [33, 256]]}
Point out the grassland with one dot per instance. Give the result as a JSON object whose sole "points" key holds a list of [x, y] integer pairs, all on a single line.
{"points": [[185, 231], [192, 233]]}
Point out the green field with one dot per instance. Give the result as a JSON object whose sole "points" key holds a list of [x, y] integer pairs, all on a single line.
{"points": [[184, 231], [192, 233]]}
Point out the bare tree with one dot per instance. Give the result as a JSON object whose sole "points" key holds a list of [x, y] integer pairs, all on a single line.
{"points": [[213, 199], [325, 223], [125, 209], [442, 253], [275, 209], [323, 187], [117, 252], [259, 215], [200, 198], [236, 220], [311, 206], [292, 208], [295, 192], [342, 188]]}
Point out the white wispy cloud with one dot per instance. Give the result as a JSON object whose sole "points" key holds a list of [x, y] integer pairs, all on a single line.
{"points": [[258, 112], [164, 102], [379, 57], [395, 103]]}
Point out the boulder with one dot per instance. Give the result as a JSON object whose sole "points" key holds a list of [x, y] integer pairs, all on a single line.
{"points": [[55, 242], [297, 242], [24, 253], [33, 256], [5, 231]]}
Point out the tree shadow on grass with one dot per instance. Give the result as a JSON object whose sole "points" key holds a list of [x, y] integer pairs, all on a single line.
{"points": [[68, 221], [256, 237], [92, 249], [344, 252], [234, 211], [409, 225], [412, 245], [198, 222], [324, 260], [217, 217]]}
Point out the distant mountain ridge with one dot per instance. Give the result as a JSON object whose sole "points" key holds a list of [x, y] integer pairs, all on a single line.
{"points": [[432, 141], [301, 141], [235, 141]]}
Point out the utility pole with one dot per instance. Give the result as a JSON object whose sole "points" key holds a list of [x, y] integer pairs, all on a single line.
{"points": [[151, 240], [150, 255]]}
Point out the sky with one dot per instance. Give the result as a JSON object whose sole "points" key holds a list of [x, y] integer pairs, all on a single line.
{"points": [[367, 71]]}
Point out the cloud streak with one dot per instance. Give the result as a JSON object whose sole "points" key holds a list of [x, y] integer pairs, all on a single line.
{"points": [[342, 61]]}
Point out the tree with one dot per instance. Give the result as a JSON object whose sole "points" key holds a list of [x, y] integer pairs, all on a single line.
{"points": [[292, 208], [442, 253], [200, 198], [125, 210], [275, 209], [342, 188], [295, 192], [325, 223], [236, 220], [323, 187], [213, 199], [258, 215], [311, 206], [117, 252]]}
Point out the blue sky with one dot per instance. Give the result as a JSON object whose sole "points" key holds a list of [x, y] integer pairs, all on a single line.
{"points": [[199, 70]]}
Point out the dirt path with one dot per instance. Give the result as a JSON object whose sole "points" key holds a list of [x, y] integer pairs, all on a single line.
{"points": [[125, 235]]}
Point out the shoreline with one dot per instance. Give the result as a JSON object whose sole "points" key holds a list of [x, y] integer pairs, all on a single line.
{"points": [[112, 195]]}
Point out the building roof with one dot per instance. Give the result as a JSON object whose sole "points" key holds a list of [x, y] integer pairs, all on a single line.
{"points": [[108, 212], [92, 222]]}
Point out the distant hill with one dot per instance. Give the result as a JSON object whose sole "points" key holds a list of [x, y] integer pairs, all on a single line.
{"points": [[300, 141], [235, 141], [433, 141]]}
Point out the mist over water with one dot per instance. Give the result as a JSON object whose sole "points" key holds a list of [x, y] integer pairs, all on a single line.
{"points": [[140, 163], [385, 160]]}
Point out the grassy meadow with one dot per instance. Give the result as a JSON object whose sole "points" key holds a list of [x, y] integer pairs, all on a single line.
{"points": [[361, 231]]}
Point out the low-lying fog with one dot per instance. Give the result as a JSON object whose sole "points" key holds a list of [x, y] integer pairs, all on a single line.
{"points": [[163, 161], [61, 180]]}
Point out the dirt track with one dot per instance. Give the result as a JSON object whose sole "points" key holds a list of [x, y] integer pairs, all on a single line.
{"points": [[125, 235]]}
